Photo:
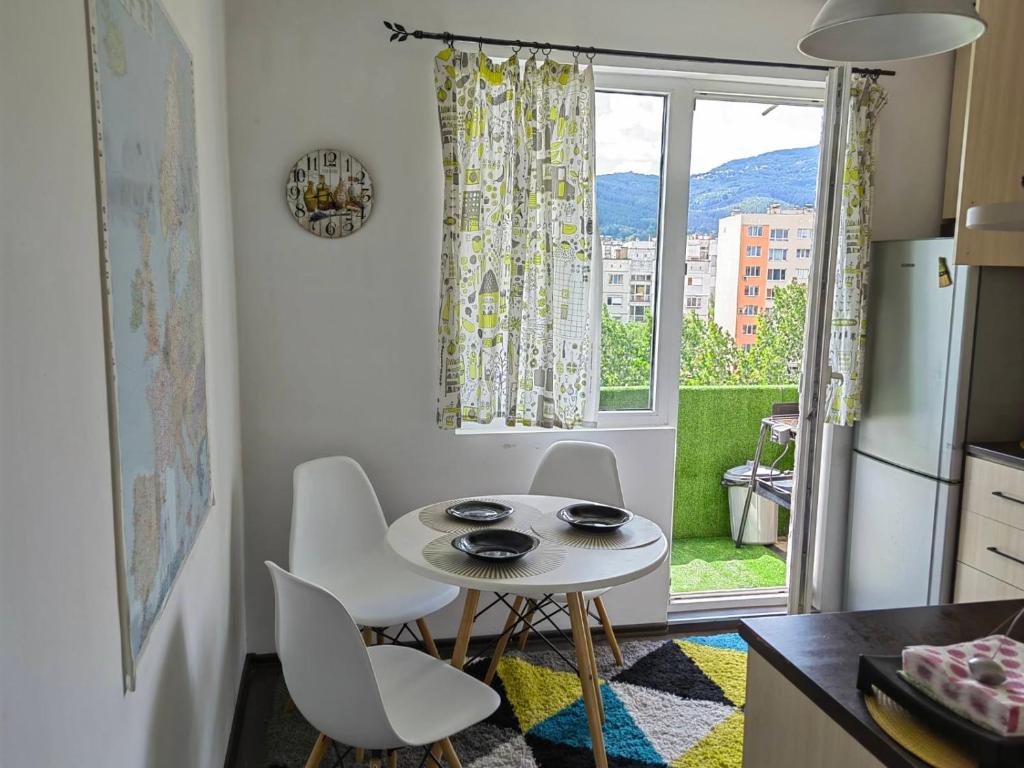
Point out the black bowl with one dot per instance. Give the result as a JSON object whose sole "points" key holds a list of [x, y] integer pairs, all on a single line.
{"points": [[496, 546], [477, 511], [596, 518]]}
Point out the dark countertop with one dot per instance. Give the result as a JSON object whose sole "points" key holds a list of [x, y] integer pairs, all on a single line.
{"points": [[819, 654], [1009, 454]]}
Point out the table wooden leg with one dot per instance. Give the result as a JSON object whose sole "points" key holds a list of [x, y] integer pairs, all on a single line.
{"points": [[525, 634], [588, 676], [319, 748], [465, 628], [428, 639], [609, 631], [593, 660], [510, 622]]}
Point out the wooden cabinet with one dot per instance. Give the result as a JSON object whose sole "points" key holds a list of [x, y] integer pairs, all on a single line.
{"points": [[990, 557], [991, 168]]}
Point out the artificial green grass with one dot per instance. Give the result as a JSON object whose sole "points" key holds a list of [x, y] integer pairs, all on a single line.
{"points": [[718, 428], [710, 564]]}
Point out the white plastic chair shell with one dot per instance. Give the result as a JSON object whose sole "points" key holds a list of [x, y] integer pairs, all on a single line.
{"points": [[383, 697], [338, 540]]}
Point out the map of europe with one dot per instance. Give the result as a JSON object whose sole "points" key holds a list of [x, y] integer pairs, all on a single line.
{"points": [[147, 160]]}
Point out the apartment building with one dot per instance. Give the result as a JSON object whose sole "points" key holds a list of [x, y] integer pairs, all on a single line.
{"points": [[629, 270], [701, 267], [757, 253]]}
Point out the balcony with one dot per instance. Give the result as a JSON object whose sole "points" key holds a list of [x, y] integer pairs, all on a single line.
{"points": [[717, 429]]}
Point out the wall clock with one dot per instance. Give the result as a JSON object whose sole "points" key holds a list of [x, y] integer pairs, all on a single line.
{"points": [[329, 193]]}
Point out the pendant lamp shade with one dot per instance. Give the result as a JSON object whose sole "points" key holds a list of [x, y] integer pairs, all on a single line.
{"points": [[887, 30]]}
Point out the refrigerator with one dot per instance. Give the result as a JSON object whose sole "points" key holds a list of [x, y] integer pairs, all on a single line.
{"points": [[908, 446]]}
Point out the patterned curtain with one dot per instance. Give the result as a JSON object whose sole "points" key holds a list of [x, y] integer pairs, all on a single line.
{"points": [[514, 327], [849, 311]]}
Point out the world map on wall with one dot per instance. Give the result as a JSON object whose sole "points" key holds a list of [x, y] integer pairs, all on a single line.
{"points": [[147, 160]]}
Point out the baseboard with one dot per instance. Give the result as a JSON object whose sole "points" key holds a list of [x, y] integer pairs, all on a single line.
{"points": [[252, 662]]}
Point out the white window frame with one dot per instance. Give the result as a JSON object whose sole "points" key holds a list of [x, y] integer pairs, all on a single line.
{"points": [[777, 251], [682, 89], [784, 231], [753, 251]]}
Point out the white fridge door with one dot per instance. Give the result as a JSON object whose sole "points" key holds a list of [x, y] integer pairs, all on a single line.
{"points": [[917, 358], [901, 537]]}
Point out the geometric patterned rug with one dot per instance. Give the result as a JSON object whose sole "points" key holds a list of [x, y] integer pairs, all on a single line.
{"points": [[673, 704]]}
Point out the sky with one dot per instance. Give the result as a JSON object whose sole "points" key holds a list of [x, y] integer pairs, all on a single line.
{"points": [[629, 131]]}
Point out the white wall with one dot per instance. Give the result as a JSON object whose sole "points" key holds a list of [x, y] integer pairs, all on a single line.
{"points": [[337, 338], [61, 699]]}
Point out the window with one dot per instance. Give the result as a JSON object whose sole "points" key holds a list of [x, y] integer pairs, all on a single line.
{"points": [[805, 234], [615, 279], [776, 274], [614, 301], [749, 329], [747, 347], [693, 302], [749, 309], [755, 230], [638, 313], [751, 290], [803, 274], [769, 293], [803, 253], [695, 281], [777, 254], [779, 234], [753, 251], [752, 272]]}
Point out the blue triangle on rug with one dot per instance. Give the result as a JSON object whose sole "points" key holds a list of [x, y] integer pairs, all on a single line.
{"points": [[729, 641], [622, 736]]}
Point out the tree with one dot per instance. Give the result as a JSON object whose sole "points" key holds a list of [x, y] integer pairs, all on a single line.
{"points": [[708, 354], [777, 355], [625, 351]]}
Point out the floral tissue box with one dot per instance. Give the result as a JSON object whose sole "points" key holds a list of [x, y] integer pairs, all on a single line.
{"points": [[941, 672]]}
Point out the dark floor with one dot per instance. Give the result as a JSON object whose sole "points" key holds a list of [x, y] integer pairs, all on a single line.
{"points": [[263, 675]]}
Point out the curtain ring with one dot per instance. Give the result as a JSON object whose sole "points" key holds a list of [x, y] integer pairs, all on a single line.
{"points": [[517, 48], [591, 54], [480, 46], [534, 51], [450, 39], [576, 56]]}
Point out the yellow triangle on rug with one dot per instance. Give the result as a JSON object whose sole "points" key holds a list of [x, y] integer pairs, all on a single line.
{"points": [[722, 748], [536, 693], [727, 668]]}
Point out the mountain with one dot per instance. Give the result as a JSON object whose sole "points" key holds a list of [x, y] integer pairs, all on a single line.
{"points": [[627, 203]]}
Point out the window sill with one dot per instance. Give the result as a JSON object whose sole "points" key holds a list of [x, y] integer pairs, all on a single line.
{"points": [[473, 428]]}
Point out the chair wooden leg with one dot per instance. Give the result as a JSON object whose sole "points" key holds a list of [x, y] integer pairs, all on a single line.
{"points": [[465, 628], [319, 748], [450, 755], [510, 622], [577, 614], [609, 631], [525, 634], [428, 639], [367, 636], [393, 758], [380, 637], [360, 756]]}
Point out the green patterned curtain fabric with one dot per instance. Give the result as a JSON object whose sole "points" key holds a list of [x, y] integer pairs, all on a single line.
{"points": [[849, 310], [515, 317]]}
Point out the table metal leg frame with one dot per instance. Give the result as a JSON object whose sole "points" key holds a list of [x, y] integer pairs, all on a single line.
{"points": [[517, 616]]}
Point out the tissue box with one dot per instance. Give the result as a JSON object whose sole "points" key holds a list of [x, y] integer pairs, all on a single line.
{"points": [[941, 672]]}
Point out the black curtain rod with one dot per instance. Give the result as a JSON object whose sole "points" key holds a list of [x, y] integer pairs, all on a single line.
{"points": [[401, 34]]}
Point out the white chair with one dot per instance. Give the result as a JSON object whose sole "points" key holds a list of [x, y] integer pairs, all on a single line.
{"points": [[338, 540], [587, 471], [384, 697]]}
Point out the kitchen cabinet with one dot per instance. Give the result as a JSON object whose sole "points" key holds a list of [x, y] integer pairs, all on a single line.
{"points": [[991, 168]]}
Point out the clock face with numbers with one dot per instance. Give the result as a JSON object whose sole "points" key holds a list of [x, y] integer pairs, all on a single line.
{"points": [[329, 193]]}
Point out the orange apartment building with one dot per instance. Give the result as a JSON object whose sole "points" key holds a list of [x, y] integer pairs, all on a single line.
{"points": [[758, 252]]}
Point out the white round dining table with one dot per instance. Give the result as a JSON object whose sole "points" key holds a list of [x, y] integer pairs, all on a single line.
{"points": [[577, 570]]}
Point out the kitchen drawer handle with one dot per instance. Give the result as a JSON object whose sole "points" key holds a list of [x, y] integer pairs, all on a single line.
{"points": [[996, 551], [1008, 497]]}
